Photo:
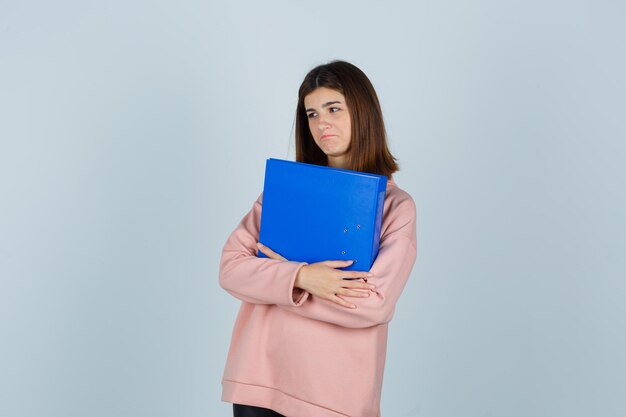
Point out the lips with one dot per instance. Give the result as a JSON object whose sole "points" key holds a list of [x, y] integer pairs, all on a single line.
{"points": [[326, 137]]}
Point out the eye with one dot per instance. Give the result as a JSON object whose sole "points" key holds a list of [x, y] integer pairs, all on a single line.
{"points": [[334, 109], [311, 115]]}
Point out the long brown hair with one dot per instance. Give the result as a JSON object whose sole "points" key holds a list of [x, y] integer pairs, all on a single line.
{"points": [[368, 143]]}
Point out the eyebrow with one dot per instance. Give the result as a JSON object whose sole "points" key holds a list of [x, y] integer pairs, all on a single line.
{"points": [[326, 105]]}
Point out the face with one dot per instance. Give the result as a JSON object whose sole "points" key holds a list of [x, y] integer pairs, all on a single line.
{"points": [[329, 122]]}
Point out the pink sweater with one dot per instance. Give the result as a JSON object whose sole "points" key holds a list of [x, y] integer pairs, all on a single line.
{"points": [[304, 356]]}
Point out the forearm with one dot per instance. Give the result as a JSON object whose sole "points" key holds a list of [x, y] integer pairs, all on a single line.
{"points": [[250, 278], [259, 280]]}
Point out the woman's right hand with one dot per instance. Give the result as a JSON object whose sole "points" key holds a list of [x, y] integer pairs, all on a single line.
{"points": [[324, 280]]}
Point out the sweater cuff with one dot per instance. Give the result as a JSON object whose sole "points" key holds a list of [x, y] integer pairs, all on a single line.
{"points": [[298, 295]]}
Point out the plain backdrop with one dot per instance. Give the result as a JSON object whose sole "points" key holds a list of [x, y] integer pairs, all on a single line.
{"points": [[133, 138]]}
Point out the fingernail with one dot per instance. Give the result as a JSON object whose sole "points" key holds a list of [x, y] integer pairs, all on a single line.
{"points": [[370, 274]]}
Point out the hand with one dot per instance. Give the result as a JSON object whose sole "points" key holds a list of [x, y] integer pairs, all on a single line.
{"points": [[324, 280]]}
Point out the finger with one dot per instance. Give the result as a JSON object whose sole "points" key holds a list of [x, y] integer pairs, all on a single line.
{"points": [[337, 299], [337, 264], [345, 292], [358, 285], [270, 253], [356, 274]]}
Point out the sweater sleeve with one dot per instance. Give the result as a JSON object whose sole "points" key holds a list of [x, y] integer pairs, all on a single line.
{"points": [[253, 279], [391, 269]]}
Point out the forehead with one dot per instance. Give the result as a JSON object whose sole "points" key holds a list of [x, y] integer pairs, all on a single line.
{"points": [[322, 95]]}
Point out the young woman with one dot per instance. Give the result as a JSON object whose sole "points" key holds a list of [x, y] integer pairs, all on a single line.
{"points": [[308, 342]]}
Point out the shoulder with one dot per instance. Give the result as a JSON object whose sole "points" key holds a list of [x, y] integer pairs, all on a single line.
{"points": [[398, 202]]}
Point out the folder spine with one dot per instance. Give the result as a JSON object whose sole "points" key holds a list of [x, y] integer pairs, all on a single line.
{"points": [[382, 191]]}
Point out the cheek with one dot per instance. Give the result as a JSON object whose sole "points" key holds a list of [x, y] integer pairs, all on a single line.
{"points": [[346, 126]]}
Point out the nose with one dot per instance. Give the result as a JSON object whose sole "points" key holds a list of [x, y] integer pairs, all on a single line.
{"points": [[323, 125]]}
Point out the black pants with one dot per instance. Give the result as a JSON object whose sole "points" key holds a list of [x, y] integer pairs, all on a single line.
{"points": [[251, 411]]}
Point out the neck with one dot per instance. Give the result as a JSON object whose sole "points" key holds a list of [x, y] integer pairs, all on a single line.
{"points": [[338, 162]]}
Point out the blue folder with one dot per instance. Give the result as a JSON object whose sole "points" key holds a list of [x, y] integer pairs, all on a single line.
{"points": [[313, 213]]}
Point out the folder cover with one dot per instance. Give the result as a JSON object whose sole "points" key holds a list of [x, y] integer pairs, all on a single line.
{"points": [[313, 213]]}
